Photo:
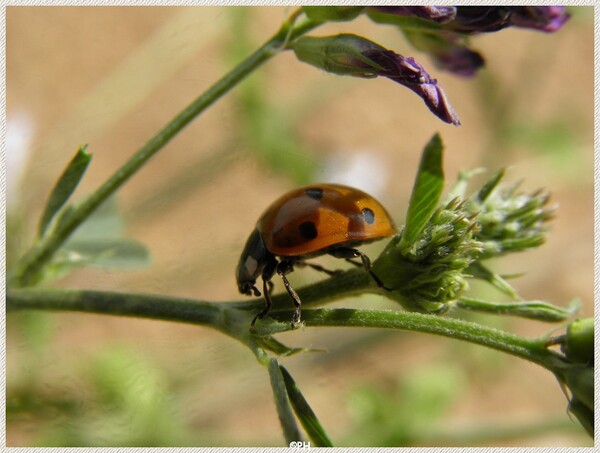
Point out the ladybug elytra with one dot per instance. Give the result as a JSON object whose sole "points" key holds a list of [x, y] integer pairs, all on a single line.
{"points": [[304, 223]]}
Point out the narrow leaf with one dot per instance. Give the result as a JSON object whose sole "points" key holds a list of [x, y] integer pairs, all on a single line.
{"points": [[116, 253], [65, 186], [271, 344], [305, 414], [286, 417], [106, 222], [534, 309], [426, 190]]}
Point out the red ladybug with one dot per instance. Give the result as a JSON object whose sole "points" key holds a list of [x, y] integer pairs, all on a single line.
{"points": [[304, 223]]}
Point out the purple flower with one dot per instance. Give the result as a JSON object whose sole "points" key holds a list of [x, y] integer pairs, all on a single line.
{"points": [[449, 51], [440, 14], [544, 18], [354, 55], [408, 72], [473, 19], [461, 61], [483, 19]]}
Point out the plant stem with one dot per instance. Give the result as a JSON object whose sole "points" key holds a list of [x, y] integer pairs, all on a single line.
{"points": [[533, 350], [233, 321], [29, 269]]}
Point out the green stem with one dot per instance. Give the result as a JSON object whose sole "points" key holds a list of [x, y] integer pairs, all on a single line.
{"points": [[230, 319], [29, 269], [533, 350]]}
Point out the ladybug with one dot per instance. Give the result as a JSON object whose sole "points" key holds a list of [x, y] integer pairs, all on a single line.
{"points": [[304, 223]]}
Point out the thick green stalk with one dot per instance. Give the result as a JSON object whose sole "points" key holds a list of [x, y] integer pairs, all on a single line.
{"points": [[533, 350], [230, 319], [29, 269]]}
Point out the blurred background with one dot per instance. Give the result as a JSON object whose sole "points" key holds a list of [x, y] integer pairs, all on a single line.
{"points": [[112, 76]]}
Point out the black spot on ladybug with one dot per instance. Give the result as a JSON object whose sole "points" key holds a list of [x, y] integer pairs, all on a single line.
{"points": [[368, 215], [314, 193], [308, 230]]}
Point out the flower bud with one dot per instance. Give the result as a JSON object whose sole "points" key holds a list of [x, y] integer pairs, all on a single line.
{"points": [[448, 50], [342, 54], [348, 54], [428, 273], [543, 18], [509, 221], [578, 344]]}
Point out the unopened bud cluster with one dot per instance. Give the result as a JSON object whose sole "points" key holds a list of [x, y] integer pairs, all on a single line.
{"points": [[426, 274], [431, 271], [509, 221]]}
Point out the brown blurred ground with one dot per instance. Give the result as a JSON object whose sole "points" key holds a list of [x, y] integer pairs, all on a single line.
{"points": [[112, 76]]}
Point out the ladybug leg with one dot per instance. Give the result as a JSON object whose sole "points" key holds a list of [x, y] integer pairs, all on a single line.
{"points": [[267, 274], [349, 253], [354, 262], [320, 268], [283, 268], [270, 286]]}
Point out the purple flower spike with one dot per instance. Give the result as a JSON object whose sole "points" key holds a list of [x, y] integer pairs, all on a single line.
{"points": [[544, 18], [439, 14], [481, 19]]}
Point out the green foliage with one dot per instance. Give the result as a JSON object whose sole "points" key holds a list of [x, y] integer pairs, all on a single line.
{"points": [[426, 191], [65, 186], [99, 242], [305, 414], [426, 268], [282, 403]]}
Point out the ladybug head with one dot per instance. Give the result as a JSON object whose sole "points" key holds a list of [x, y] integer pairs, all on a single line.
{"points": [[252, 262]]}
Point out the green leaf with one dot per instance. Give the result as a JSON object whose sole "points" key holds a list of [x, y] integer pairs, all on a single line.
{"points": [[99, 242], [105, 222], [65, 186], [286, 417], [271, 344], [305, 414], [116, 253], [426, 190]]}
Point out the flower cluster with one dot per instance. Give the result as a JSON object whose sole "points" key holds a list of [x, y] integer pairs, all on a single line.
{"points": [[509, 221], [443, 32], [427, 274], [445, 38]]}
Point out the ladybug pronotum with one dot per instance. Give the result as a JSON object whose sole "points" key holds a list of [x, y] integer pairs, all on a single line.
{"points": [[304, 223]]}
